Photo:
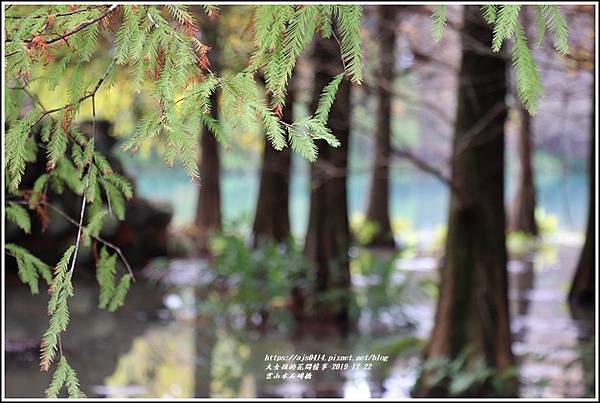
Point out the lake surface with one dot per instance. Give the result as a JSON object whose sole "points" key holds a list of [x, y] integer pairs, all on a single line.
{"points": [[415, 197], [170, 341]]}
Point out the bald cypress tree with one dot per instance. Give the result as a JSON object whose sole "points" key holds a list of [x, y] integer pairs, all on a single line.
{"points": [[208, 208], [472, 310], [328, 237], [583, 290], [522, 217], [272, 218], [378, 204]]}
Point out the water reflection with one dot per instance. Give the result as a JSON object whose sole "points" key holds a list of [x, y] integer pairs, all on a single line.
{"points": [[172, 339]]}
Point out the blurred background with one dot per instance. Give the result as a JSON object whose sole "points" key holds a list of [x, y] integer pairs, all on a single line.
{"points": [[211, 298]]}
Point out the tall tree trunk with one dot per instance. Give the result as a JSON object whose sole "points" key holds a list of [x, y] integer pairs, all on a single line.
{"points": [[272, 218], [378, 207], [583, 292], [328, 237], [208, 210], [523, 214], [472, 309]]}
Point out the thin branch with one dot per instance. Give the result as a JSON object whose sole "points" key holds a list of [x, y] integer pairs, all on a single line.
{"points": [[31, 95], [475, 135], [96, 237], [425, 167], [21, 17], [80, 225], [80, 100], [74, 30]]}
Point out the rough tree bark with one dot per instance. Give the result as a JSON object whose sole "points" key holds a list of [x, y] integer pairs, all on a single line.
{"points": [[208, 210], [378, 205], [272, 219], [328, 236], [472, 309], [582, 293], [522, 216]]}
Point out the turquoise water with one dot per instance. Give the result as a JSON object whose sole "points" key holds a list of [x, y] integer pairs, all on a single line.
{"points": [[415, 196]]}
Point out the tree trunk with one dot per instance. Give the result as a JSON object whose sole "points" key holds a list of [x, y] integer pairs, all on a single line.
{"points": [[208, 210], [205, 339], [523, 214], [272, 219], [583, 292], [378, 206], [328, 237], [472, 310]]}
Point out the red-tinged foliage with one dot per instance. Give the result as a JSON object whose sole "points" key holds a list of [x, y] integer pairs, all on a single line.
{"points": [[213, 14], [111, 21], [38, 48], [201, 53], [67, 119], [160, 63], [39, 205], [189, 28], [49, 21]]}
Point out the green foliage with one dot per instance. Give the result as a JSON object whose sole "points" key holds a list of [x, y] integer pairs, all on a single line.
{"points": [[111, 296], [158, 48], [18, 215], [466, 373], [439, 22], [282, 32], [556, 24], [57, 146], [380, 291], [96, 219], [302, 143], [115, 198], [327, 98], [261, 279], [529, 85], [61, 289], [30, 267], [105, 275], [506, 25], [120, 293], [64, 375], [489, 12], [348, 23], [15, 142]]}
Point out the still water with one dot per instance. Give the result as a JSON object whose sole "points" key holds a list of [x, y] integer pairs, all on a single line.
{"points": [[168, 340], [415, 196]]}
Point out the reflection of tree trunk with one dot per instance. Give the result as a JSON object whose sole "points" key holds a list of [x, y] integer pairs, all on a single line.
{"points": [[472, 310], [204, 342], [272, 219], [583, 290], [327, 238], [378, 207], [523, 214], [208, 211], [521, 279]]}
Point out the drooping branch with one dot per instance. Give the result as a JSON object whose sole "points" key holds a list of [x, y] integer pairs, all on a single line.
{"points": [[74, 30], [98, 238], [21, 17], [80, 100]]}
